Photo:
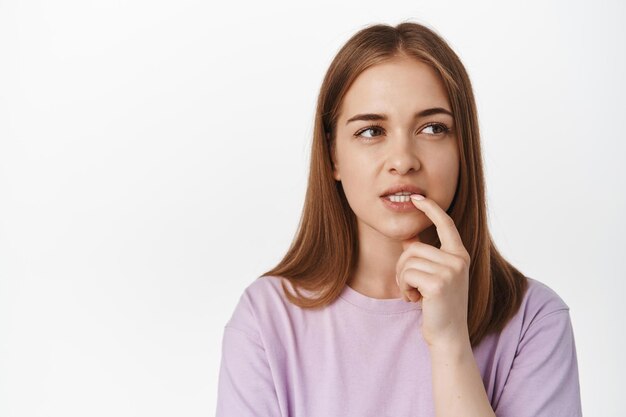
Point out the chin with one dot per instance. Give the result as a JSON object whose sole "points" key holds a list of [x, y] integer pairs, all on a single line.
{"points": [[404, 233]]}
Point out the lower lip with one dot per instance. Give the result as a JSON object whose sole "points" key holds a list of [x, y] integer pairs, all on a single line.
{"points": [[399, 207]]}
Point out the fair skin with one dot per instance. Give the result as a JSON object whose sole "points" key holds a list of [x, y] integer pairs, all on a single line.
{"points": [[398, 257]]}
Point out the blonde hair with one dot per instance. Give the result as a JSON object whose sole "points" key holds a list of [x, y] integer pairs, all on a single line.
{"points": [[324, 252]]}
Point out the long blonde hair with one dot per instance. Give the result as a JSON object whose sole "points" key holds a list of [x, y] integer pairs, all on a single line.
{"points": [[324, 252]]}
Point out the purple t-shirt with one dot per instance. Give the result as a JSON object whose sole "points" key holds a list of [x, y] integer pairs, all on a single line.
{"points": [[363, 357]]}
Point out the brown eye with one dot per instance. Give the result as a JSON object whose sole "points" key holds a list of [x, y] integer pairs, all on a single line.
{"points": [[373, 127], [440, 127]]}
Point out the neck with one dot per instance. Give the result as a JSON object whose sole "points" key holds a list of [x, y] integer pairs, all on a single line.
{"points": [[375, 274]]}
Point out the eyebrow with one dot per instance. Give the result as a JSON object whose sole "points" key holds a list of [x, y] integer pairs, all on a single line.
{"points": [[423, 113]]}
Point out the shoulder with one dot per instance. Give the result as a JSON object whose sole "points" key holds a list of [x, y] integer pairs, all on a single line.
{"points": [[541, 300], [541, 320], [266, 285], [541, 308], [266, 291], [261, 297]]}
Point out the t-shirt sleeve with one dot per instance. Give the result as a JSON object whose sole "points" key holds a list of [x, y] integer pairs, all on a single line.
{"points": [[543, 380], [245, 384]]}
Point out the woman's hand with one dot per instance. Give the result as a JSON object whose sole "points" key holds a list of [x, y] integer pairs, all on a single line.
{"points": [[439, 277]]}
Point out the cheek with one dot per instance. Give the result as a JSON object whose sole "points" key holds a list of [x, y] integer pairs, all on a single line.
{"points": [[448, 165], [357, 182], [451, 184], [357, 186], [452, 171]]}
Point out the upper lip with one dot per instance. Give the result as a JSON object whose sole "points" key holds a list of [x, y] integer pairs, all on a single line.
{"points": [[398, 188]]}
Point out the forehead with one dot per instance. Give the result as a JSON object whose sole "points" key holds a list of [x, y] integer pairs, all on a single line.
{"points": [[398, 87]]}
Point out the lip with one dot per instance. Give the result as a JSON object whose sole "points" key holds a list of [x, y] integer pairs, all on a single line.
{"points": [[399, 207], [398, 188]]}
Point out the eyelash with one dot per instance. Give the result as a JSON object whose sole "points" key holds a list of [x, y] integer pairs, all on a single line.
{"points": [[445, 128]]}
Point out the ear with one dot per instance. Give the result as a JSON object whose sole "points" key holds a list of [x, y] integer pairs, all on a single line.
{"points": [[333, 157]]}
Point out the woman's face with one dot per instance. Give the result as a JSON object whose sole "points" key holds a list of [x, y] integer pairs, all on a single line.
{"points": [[405, 149]]}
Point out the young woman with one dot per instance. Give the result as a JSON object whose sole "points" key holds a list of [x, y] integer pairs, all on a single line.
{"points": [[393, 299]]}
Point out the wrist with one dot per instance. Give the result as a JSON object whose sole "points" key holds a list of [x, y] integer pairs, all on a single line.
{"points": [[457, 347]]}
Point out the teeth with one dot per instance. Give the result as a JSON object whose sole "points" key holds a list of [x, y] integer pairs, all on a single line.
{"points": [[399, 199]]}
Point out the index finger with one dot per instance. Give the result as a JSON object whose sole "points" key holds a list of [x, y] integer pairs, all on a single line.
{"points": [[451, 241]]}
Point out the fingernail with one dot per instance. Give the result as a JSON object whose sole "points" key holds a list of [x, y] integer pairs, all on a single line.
{"points": [[417, 197]]}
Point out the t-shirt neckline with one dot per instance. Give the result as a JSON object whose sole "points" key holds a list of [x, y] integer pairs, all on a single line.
{"points": [[377, 305]]}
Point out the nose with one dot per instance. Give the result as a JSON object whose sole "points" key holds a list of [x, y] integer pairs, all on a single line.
{"points": [[401, 156]]}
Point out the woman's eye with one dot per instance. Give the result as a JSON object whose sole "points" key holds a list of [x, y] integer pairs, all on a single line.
{"points": [[436, 129], [441, 127], [360, 133]]}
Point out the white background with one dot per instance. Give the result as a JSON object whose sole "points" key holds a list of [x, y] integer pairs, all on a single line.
{"points": [[153, 163]]}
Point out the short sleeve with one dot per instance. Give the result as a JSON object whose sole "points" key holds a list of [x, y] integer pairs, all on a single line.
{"points": [[245, 384], [543, 380]]}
